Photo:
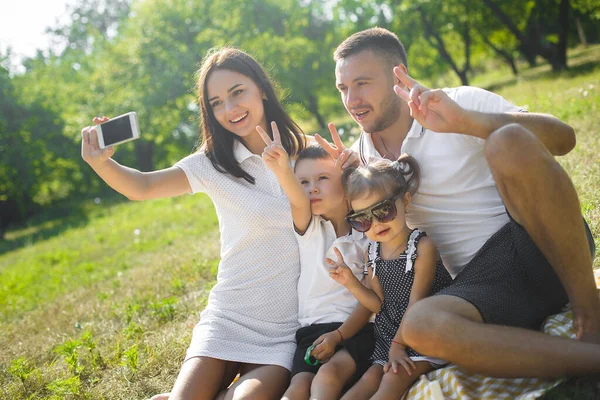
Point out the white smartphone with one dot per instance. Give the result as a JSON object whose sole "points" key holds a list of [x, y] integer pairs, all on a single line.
{"points": [[118, 130]]}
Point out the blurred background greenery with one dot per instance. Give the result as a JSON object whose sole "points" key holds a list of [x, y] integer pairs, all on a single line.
{"points": [[98, 295], [121, 55]]}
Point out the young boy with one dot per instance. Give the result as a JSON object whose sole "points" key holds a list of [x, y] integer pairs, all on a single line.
{"points": [[329, 315]]}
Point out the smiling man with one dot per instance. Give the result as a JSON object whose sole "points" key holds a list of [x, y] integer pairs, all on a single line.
{"points": [[503, 213]]}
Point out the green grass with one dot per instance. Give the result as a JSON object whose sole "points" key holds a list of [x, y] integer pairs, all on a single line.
{"points": [[105, 310], [100, 302]]}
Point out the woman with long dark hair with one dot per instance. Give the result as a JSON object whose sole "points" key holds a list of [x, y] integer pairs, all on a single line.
{"points": [[249, 323]]}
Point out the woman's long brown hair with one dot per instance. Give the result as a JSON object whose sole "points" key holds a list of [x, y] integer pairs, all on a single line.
{"points": [[218, 141]]}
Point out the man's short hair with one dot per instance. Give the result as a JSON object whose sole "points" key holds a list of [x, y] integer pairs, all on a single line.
{"points": [[379, 40]]}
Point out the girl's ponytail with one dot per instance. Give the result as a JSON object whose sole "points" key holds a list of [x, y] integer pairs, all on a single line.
{"points": [[409, 169], [383, 177]]}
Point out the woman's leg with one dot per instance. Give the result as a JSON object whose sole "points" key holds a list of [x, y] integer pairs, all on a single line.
{"points": [[299, 387], [201, 378], [260, 382], [367, 385], [393, 386], [332, 376]]}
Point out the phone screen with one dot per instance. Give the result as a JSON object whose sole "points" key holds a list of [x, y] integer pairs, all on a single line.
{"points": [[117, 130]]}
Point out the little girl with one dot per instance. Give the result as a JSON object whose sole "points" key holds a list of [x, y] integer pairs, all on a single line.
{"points": [[403, 267]]}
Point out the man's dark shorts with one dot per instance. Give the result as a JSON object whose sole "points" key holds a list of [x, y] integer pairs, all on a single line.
{"points": [[360, 347], [510, 281]]}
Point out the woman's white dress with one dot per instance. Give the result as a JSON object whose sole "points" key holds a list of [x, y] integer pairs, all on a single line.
{"points": [[252, 311]]}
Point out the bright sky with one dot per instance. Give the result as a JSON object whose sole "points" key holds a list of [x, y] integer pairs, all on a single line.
{"points": [[23, 22]]}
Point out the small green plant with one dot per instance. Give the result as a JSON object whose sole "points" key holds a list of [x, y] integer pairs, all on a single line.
{"points": [[118, 353], [133, 331], [68, 350], [131, 357], [130, 310], [164, 309], [178, 286], [60, 388], [93, 356], [21, 369]]}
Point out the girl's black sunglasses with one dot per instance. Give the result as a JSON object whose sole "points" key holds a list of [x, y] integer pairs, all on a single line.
{"points": [[384, 211]]}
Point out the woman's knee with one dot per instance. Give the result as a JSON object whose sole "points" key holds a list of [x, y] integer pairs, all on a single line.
{"points": [[253, 390], [264, 382], [199, 378]]}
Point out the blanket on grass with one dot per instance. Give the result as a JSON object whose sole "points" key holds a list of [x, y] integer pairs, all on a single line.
{"points": [[452, 382]]}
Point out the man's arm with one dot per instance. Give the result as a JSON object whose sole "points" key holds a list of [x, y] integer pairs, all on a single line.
{"points": [[435, 110], [557, 137]]}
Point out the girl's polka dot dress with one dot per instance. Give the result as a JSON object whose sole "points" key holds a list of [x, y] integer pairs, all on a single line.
{"points": [[396, 278]]}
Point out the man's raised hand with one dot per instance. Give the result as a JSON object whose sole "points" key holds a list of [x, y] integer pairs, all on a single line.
{"points": [[274, 155], [343, 156], [432, 108]]}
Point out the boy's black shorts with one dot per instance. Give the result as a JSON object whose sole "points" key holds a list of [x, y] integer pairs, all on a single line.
{"points": [[360, 347]]}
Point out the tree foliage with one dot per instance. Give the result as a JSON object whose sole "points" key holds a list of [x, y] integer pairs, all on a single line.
{"points": [[115, 56]]}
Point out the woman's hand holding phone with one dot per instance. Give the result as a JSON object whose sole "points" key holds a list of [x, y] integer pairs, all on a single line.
{"points": [[90, 148]]}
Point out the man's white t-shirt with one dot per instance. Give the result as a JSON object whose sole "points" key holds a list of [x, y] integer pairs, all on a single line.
{"points": [[320, 298], [457, 203]]}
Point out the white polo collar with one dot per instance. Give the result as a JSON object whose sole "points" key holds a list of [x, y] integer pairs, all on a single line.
{"points": [[367, 148], [241, 152]]}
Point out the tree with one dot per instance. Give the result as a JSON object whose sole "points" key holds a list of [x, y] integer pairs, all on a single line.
{"points": [[534, 40], [33, 169], [453, 20]]}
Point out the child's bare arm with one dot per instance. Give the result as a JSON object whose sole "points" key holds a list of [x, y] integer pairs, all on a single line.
{"points": [[299, 202], [278, 161], [342, 274], [425, 266], [355, 321], [370, 294]]}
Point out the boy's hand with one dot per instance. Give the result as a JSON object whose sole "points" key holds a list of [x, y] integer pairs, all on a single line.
{"points": [[325, 346], [343, 156], [398, 358], [339, 271], [274, 155], [90, 149]]}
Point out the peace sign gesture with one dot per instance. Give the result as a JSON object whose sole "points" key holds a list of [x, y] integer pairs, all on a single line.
{"points": [[274, 155], [343, 156], [432, 108], [339, 271]]}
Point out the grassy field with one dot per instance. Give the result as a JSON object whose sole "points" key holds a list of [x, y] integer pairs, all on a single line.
{"points": [[101, 303]]}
